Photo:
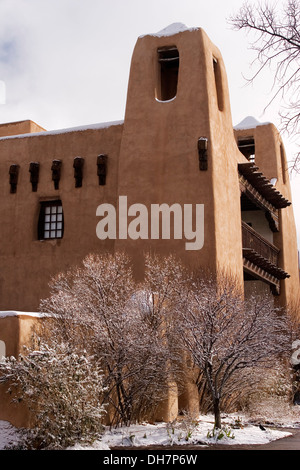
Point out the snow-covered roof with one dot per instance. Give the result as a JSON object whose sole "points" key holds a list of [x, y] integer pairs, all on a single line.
{"points": [[249, 122], [170, 30], [102, 125]]}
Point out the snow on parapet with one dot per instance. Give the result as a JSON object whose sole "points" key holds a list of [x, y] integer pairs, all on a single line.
{"points": [[249, 123], [170, 30], [16, 313], [102, 125]]}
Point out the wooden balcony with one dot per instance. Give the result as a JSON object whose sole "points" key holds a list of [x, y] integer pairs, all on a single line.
{"points": [[254, 241], [261, 258]]}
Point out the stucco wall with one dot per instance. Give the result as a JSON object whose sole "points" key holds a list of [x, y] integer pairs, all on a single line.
{"points": [[15, 331], [27, 263], [159, 160], [19, 127]]}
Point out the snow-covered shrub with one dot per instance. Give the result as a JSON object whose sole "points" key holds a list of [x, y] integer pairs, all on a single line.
{"points": [[62, 389]]}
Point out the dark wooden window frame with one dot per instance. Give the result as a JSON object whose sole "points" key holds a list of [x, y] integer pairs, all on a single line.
{"points": [[51, 220]]}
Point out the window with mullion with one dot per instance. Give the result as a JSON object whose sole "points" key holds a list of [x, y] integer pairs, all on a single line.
{"points": [[51, 220]]}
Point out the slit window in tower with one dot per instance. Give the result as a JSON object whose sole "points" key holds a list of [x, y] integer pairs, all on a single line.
{"points": [[168, 67], [283, 163], [218, 83]]}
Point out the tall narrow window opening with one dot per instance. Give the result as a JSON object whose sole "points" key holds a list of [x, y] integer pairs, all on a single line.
{"points": [[168, 67], [51, 220], [283, 163], [218, 83]]}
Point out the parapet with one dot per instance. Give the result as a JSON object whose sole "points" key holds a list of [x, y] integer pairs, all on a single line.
{"points": [[19, 127]]}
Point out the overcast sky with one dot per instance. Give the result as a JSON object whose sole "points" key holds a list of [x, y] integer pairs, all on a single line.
{"points": [[65, 63]]}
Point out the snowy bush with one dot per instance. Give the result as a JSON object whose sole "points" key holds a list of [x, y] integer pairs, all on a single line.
{"points": [[62, 389]]}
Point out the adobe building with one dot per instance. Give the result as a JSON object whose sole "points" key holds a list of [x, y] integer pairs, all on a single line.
{"points": [[176, 152]]}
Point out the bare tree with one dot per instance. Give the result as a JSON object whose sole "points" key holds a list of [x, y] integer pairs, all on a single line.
{"points": [[102, 307], [277, 44], [227, 337]]}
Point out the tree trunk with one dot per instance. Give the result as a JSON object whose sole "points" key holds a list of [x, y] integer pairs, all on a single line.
{"points": [[217, 413]]}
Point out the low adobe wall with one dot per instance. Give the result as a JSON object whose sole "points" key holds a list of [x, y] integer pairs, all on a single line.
{"points": [[15, 332]]}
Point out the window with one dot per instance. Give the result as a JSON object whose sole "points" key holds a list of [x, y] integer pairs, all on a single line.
{"points": [[168, 66], [247, 148], [51, 220], [218, 83], [283, 163]]}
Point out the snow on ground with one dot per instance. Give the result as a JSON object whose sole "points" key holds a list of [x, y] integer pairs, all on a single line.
{"points": [[185, 432], [181, 432], [8, 435]]}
